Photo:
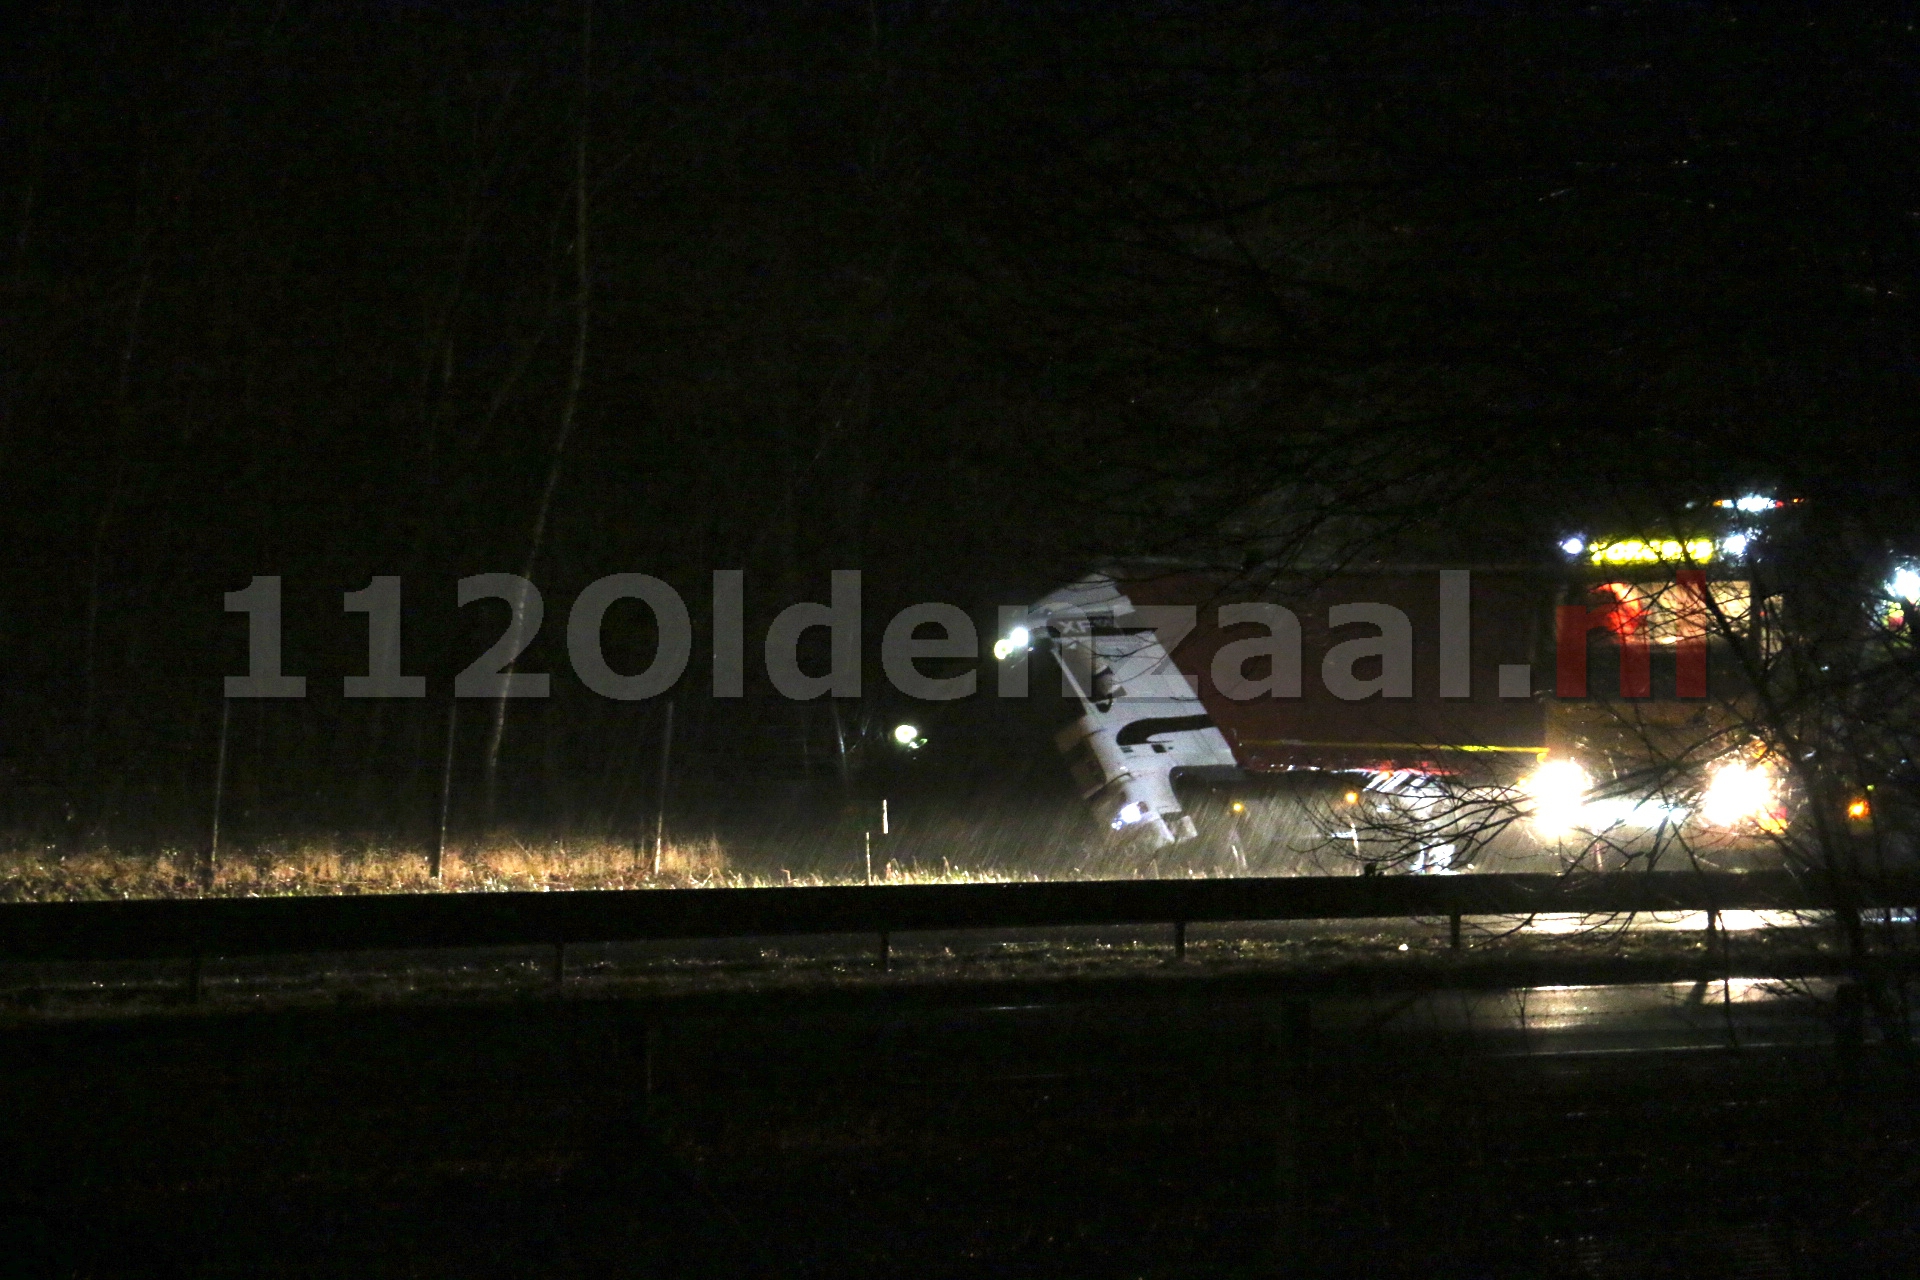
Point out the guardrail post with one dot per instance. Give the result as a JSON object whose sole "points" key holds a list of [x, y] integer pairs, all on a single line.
{"points": [[219, 789], [886, 957], [1179, 939], [437, 858], [1453, 930]]}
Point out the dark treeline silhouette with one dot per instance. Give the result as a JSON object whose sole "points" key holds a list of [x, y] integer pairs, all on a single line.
{"points": [[958, 295]]}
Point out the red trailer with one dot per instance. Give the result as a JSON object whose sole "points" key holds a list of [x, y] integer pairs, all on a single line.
{"points": [[1433, 697]]}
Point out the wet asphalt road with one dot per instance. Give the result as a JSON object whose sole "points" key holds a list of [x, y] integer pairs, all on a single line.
{"points": [[1697, 1129]]}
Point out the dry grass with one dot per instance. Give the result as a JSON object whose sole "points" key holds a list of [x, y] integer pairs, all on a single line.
{"points": [[500, 865], [322, 867]]}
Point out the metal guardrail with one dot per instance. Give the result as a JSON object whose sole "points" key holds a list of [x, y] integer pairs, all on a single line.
{"points": [[173, 928]]}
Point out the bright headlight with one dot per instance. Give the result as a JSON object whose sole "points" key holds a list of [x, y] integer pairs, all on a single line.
{"points": [[1739, 793], [1905, 584], [1556, 796]]}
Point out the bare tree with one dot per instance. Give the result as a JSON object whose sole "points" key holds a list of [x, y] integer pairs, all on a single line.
{"points": [[581, 260], [1797, 750]]}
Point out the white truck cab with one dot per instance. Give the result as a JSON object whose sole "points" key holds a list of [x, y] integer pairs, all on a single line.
{"points": [[1141, 718]]}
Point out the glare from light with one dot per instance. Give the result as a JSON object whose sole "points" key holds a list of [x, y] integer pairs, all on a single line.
{"points": [[1557, 796], [1732, 921], [906, 735], [1858, 809], [1905, 584], [1018, 637], [1574, 546], [1740, 793], [1555, 922], [1612, 812], [1015, 641], [1129, 814], [1353, 797], [1734, 545], [1001, 649], [1753, 502], [1238, 807]]}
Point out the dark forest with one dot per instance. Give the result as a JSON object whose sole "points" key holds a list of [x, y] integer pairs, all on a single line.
{"points": [[963, 295]]}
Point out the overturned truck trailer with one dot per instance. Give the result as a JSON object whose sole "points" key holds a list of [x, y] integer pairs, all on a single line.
{"points": [[1195, 700]]}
